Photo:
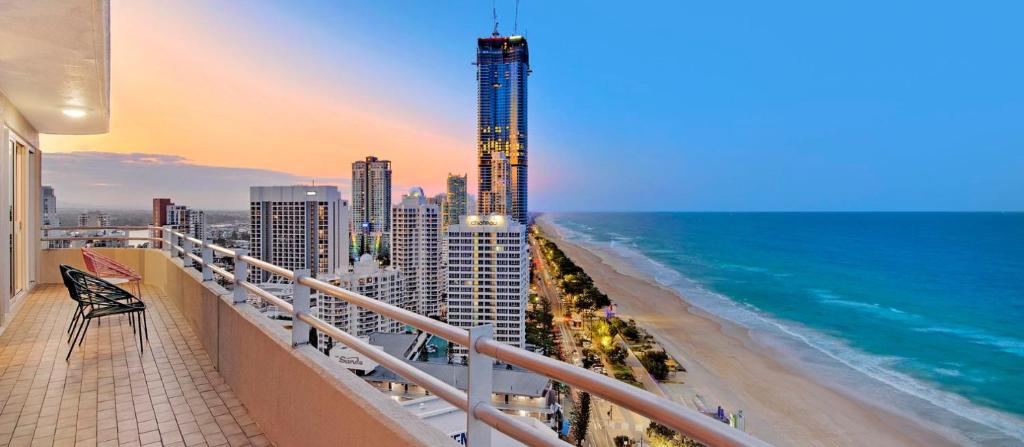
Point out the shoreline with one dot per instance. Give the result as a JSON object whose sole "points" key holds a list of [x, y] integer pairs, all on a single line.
{"points": [[783, 404]]}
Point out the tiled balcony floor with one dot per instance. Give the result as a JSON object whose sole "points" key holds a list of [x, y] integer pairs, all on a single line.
{"points": [[107, 394]]}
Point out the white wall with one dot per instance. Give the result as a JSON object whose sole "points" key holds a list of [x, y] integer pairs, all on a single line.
{"points": [[14, 125]]}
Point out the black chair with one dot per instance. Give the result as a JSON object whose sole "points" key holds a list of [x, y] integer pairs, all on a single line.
{"points": [[79, 311], [97, 298]]}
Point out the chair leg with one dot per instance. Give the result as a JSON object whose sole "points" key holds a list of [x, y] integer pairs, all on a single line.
{"points": [[142, 346], [145, 324], [75, 322], [81, 324], [84, 325], [74, 318], [83, 333], [71, 349]]}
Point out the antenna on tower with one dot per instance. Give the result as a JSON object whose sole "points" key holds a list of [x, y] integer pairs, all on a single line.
{"points": [[494, 13], [515, 24]]}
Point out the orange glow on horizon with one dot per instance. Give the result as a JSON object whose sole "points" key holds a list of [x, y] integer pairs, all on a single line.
{"points": [[219, 96]]}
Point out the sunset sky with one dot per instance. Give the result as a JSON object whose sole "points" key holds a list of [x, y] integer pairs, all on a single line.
{"points": [[678, 106]]}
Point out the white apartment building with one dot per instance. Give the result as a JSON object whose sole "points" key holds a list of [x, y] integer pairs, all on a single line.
{"points": [[488, 276], [191, 221], [371, 207], [416, 251], [369, 279], [299, 227], [93, 219], [98, 219]]}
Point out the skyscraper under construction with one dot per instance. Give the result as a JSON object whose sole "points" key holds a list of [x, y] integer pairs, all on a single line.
{"points": [[503, 64]]}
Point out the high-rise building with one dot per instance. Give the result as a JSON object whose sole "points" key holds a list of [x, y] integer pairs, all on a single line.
{"points": [[416, 251], [49, 208], [160, 206], [503, 64], [102, 222], [94, 219], [497, 200], [50, 218], [187, 220], [487, 278], [299, 227], [196, 225], [369, 279], [371, 207], [455, 203]]}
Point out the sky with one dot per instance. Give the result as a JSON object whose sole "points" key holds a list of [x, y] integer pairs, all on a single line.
{"points": [[697, 106]]}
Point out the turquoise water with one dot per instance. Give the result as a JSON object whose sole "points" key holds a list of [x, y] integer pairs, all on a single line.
{"points": [[921, 312]]}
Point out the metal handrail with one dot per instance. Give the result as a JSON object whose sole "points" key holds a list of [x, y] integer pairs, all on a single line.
{"points": [[99, 238], [671, 414], [224, 273], [83, 227]]}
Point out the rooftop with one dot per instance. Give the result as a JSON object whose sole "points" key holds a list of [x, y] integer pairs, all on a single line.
{"points": [[506, 379]]}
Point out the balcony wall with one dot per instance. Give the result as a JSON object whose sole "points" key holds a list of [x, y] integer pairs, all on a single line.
{"points": [[297, 395]]}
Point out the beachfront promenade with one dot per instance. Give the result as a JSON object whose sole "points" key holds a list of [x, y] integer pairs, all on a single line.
{"points": [[607, 420]]}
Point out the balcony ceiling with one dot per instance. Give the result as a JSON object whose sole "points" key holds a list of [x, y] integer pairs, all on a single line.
{"points": [[55, 55]]}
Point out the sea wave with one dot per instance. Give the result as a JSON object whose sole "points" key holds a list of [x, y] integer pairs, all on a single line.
{"points": [[1009, 345], [989, 426], [831, 298], [1006, 344]]}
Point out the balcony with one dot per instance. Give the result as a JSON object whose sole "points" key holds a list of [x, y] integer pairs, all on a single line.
{"points": [[212, 373], [108, 394], [256, 375]]}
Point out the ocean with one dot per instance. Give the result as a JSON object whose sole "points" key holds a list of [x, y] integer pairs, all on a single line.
{"points": [[919, 312]]}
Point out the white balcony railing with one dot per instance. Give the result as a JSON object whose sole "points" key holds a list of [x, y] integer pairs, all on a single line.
{"points": [[483, 350]]}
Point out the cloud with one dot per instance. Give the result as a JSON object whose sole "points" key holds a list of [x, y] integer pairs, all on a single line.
{"points": [[132, 180]]}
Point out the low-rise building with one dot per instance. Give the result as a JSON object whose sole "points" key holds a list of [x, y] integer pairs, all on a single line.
{"points": [[369, 279]]}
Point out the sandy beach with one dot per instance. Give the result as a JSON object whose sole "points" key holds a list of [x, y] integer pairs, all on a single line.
{"points": [[726, 366]]}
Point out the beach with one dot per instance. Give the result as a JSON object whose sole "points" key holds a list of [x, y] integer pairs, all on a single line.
{"points": [[782, 403]]}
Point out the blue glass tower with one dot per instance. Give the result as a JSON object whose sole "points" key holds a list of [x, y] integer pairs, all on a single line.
{"points": [[503, 63]]}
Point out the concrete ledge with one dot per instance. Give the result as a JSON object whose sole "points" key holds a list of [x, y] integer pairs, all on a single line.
{"points": [[297, 395]]}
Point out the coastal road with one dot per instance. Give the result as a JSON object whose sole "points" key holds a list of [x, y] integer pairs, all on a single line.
{"points": [[602, 427], [597, 435]]}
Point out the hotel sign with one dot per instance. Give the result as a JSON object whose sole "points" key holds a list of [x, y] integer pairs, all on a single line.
{"points": [[485, 220], [352, 359]]}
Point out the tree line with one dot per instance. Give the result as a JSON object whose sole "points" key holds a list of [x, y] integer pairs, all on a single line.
{"points": [[574, 283]]}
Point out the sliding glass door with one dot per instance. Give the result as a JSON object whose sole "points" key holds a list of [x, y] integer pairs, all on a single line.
{"points": [[18, 204]]}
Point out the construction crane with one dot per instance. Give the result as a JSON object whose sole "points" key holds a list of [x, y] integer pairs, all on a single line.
{"points": [[494, 13]]}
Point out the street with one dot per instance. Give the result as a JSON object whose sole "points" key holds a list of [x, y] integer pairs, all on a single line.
{"points": [[603, 428]]}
